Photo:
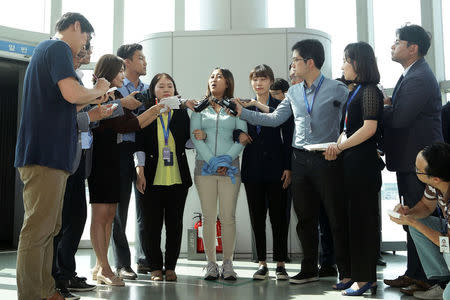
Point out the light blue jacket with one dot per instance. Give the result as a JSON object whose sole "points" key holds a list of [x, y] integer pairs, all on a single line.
{"points": [[219, 129]]}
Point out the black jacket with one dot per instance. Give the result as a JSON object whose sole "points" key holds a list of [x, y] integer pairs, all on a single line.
{"points": [[265, 159], [147, 141], [414, 119]]}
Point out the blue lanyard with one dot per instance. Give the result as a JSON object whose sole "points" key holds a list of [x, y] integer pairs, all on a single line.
{"points": [[441, 217], [166, 133], [309, 108], [348, 103]]}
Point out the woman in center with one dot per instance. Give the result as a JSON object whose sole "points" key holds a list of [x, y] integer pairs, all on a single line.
{"points": [[216, 172]]}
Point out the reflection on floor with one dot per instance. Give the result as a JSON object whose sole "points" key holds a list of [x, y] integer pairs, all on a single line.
{"points": [[190, 284]]}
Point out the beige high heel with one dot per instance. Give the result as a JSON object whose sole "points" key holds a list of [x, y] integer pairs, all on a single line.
{"points": [[112, 281], [94, 272]]}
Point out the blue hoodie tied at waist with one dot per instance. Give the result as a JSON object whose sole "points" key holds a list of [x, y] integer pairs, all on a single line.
{"points": [[214, 163]]}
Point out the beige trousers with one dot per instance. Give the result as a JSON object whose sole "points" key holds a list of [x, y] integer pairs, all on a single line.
{"points": [[209, 188], [43, 196]]}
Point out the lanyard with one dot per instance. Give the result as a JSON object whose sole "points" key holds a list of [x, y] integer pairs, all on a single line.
{"points": [[348, 103], [441, 217], [166, 133], [309, 108], [258, 127]]}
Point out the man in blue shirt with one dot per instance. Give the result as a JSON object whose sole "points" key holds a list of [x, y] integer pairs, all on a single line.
{"points": [[316, 105], [46, 149], [136, 66]]}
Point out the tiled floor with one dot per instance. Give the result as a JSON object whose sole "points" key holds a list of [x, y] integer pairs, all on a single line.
{"points": [[190, 284]]}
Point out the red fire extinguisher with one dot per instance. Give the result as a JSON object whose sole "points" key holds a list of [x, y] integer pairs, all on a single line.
{"points": [[219, 236], [198, 227]]}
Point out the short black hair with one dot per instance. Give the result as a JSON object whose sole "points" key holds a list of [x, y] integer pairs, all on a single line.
{"points": [[128, 50], [280, 84], [70, 18], [361, 56], [437, 157], [415, 35], [262, 71], [311, 49]]}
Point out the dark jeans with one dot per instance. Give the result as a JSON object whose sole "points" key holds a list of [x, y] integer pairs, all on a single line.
{"points": [[326, 250], [411, 188], [163, 204], [272, 196], [316, 181], [119, 241], [74, 211]]}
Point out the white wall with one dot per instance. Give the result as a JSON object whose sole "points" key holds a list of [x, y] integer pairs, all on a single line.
{"points": [[191, 56]]}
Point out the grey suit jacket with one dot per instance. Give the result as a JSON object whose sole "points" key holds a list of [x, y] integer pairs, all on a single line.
{"points": [[413, 121]]}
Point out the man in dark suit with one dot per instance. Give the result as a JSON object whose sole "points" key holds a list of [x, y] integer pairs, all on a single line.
{"points": [[411, 121]]}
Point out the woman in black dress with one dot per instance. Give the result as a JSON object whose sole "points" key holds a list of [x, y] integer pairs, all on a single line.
{"points": [[163, 179], [104, 184], [357, 146]]}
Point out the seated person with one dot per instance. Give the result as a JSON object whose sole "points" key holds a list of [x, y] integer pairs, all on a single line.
{"points": [[430, 234]]}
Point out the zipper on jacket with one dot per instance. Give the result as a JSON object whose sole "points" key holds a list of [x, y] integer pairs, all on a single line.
{"points": [[217, 131]]}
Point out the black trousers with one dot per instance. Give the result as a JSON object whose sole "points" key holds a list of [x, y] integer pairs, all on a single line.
{"points": [[119, 241], [163, 204], [362, 183], [260, 197], [326, 251], [411, 188], [315, 182], [74, 213]]}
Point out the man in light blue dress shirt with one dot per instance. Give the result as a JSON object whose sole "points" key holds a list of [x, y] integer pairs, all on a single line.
{"points": [[136, 66], [316, 106]]}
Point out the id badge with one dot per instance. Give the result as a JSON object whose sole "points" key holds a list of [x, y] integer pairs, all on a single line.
{"points": [[443, 244], [343, 137], [167, 156]]}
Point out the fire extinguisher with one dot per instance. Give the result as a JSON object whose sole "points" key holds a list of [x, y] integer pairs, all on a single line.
{"points": [[198, 227], [219, 236]]}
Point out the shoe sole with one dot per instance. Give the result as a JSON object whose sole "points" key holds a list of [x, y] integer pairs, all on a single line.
{"points": [[260, 277], [282, 277], [301, 281], [82, 289], [211, 278]]}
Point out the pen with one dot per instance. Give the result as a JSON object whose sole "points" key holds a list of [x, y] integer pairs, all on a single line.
{"points": [[96, 79], [401, 200]]}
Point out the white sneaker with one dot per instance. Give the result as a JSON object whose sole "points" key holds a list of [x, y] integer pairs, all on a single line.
{"points": [[434, 292], [212, 271], [227, 270]]}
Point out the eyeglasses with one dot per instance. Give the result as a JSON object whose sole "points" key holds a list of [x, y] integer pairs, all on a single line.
{"points": [[420, 173], [296, 59]]}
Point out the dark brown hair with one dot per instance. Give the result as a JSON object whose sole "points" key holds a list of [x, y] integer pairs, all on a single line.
{"points": [[229, 91], [108, 66], [262, 71], [361, 56], [155, 81]]}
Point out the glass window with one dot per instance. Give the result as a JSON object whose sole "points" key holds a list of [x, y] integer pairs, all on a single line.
{"points": [[280, 13], [192, 15], [102, 40], [143, 17], [388, 17], [446, 30], [342, 29], [27, 15]]}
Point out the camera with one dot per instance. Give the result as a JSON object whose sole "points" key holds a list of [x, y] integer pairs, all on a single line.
{"points": [[226, 103], [145, 98]]}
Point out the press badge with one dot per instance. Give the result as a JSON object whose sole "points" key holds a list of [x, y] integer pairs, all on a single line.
{"points": [[167, 156], [443, 244]]}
